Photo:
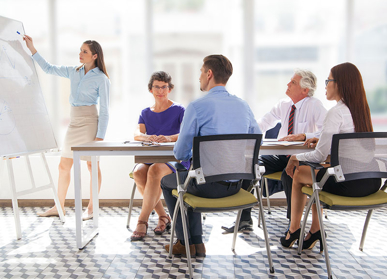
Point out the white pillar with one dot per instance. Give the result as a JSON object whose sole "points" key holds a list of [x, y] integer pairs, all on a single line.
{"points": [[149, 37], [248, 53], [53, 43], [349, 43], [126, 48]]}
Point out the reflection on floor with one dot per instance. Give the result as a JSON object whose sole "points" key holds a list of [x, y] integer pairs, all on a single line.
{"points": [[48, 249]]}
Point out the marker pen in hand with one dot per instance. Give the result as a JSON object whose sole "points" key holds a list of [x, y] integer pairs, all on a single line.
{"points": [[19, 33]]}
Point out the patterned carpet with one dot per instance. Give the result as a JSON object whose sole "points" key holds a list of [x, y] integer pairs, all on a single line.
{"points": [[48, 249]]}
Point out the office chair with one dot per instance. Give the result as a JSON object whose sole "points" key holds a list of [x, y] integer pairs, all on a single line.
{"points": [[270, 134], [220, 158], [353, 156], [272, 176], [273, 134]]}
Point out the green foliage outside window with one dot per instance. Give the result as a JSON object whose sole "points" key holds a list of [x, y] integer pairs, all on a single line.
{"points": [[377, 100]]}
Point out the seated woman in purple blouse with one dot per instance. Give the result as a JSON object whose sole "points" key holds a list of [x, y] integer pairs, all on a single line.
{"points": [[159, 123]]}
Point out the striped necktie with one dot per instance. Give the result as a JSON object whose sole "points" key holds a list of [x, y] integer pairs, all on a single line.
{"points": [[291, 118]]}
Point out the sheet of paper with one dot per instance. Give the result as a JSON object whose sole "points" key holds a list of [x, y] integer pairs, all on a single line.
{"points": [[270, 140], [283, 143], [133, 142]]}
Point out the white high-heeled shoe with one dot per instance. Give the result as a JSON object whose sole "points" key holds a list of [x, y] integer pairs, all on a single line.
{"points": [[86, 215]]}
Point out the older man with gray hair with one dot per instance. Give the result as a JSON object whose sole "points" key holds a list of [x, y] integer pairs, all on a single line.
{"points": [[301, 118]]}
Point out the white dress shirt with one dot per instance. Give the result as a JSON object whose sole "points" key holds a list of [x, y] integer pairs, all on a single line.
{"points": [[308, 117], [338, 121]]}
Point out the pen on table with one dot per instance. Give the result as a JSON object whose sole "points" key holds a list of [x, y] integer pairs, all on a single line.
{"points": [[127, 141], [150, 143]]}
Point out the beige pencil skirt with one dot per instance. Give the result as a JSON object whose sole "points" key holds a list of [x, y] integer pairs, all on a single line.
{"points": [[82, 129]]}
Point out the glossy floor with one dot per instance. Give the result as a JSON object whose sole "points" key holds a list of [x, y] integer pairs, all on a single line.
{"points": [[48, 249]]}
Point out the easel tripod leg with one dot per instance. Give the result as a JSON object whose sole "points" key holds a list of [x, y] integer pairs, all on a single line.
{"points": [[15, 205]]}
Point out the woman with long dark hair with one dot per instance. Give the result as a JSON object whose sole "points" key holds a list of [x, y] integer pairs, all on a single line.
{"points": [[89, 82], [351, 114]]}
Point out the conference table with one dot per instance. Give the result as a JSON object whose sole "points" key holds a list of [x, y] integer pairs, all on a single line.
{"points": [[143, 153]]}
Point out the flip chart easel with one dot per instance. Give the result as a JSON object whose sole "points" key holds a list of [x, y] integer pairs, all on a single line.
{"points": [[16, 194], [25, 127]]}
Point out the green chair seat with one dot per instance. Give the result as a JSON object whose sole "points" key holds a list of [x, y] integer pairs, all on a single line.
{"points": [[332, 200], [242, 199], [274, 176]]}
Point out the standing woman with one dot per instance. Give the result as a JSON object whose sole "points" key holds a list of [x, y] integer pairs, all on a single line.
{"points": [[351, 114], [89, 82]]}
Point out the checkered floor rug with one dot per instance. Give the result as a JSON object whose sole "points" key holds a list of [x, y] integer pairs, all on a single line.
{"points": [[48, 249]]}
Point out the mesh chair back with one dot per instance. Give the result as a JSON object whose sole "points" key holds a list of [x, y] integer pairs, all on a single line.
{"points": [[226, 157], [361, 155]]}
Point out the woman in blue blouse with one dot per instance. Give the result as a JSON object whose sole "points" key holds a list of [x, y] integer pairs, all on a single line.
{"points": [[89, 82]]}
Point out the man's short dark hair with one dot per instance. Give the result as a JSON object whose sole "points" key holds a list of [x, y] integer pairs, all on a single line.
{"points": [[220, 66], [160, 76]]}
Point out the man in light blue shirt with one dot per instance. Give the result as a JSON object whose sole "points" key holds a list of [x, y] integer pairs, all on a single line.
{"points": [[218, 112]]}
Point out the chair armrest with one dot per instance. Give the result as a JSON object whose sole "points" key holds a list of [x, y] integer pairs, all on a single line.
{"points": [[315, 166], [384, 187], [177, 166]]}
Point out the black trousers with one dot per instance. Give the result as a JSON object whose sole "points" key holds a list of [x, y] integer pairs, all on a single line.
{"points": [[353, 188], [274, 163]]}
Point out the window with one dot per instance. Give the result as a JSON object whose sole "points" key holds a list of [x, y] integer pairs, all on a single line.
{"points": [[139, 37]]}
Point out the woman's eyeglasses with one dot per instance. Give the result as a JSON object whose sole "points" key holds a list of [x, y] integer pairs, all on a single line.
{"points": [[328, 80]]}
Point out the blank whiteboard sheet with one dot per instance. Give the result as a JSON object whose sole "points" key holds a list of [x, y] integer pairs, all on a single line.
{"points": [[25, 126]]}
